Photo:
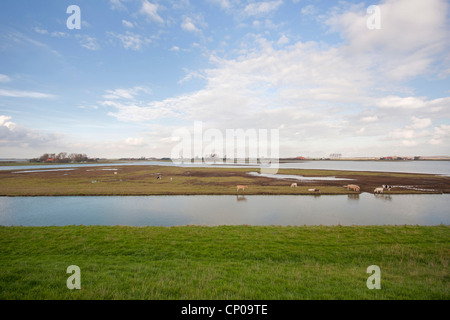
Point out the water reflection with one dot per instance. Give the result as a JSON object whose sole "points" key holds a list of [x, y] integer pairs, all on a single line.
{"points": [[294, 210], [353, 196], [385, 197]]}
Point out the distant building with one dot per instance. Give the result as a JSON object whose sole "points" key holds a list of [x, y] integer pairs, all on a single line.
{"points": [[335, 156]]}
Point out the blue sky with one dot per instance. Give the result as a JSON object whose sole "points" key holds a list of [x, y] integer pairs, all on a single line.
{"points": [[138, 70]]}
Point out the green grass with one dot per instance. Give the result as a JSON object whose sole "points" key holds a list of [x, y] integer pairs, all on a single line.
{"points": [[227, 262]]}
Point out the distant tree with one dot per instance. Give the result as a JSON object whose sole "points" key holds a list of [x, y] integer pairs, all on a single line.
{"points": [[44, 157], [61, 155]]}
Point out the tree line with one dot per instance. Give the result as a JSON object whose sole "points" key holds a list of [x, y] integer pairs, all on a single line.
{"points": [[62, 157]]}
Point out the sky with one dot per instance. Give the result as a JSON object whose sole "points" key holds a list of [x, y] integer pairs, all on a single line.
{"points": [[120, 78]]}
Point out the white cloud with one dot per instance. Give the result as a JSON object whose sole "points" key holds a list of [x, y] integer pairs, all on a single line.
{"points": [[151, 11], [59, 34], [88, 107], [117, 5], [188, 25], [4, 121], [4, 78], [399, 102], [137, 112], [262, 7], [307, 88], [420, 123], [13, 135], [406, 45], [369, 119], [88, 42], [441, 136], [127, 24], [41, 31], [283, 40], [309, 10], [402, 134], [336, 95], [413, 103], [132, 41], [224, 4], [25, 94], [191, 75], [127, 94], [409, 143], [135, 142], [85, 24]]}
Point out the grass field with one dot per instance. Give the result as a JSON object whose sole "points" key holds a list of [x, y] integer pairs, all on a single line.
{"points": [[141, 180], [227, 262]]}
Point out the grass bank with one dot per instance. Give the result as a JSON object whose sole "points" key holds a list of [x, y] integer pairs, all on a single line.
{"points": [[227, 262]]}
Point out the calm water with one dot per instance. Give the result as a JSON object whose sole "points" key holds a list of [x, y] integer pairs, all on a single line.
{"points": [[367, 209], [432, 167]]}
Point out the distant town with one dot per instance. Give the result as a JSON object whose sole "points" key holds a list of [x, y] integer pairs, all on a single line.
{"points": [[64, 157]]}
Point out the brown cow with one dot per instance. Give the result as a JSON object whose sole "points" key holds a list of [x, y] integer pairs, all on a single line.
{"points": [[241, 187], [353, 187]]}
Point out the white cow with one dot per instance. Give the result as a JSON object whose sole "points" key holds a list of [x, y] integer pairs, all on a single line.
{"points": [[294, 185], [378, 190]]}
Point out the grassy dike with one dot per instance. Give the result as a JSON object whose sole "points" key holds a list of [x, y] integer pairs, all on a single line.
{"points": [[226, 262]]}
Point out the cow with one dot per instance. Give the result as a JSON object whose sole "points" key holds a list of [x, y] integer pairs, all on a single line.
{"points": [[294, 185], [241, 187], [353, 187], [314, 190], [378, 190], [385, 186]]}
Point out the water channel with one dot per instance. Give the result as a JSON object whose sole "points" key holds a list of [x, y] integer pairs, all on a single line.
{"points": [[363, 209]]}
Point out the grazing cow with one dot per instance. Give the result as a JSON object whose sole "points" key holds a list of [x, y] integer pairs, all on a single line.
{"points": [[314, 190], [294, 185], [353, 187], [241, 187], [378, 190], [159, 178]]}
